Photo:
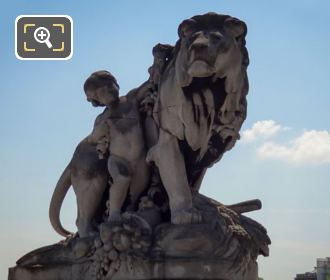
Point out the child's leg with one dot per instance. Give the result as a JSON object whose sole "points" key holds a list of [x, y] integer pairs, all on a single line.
{"points": [[121, 173], [139, 182]]}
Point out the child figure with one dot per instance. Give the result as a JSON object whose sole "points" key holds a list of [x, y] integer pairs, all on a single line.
{"points": [[120, 133]]}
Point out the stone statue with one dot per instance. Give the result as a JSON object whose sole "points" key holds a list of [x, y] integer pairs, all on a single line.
{"points": [[121, 135], [137, 175], [201, 101], [87, 173]]}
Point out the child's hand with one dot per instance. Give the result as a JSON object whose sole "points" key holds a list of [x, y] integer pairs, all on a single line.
{"points": [[147, 103], [102, 147]]}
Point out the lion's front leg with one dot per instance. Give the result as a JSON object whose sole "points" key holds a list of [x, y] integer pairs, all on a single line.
{"points": [[168, 158]]}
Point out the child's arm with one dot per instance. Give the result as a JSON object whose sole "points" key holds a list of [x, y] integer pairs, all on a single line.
{"points": [[100, 136], [141, 92], [100, 117], [96, 135]]}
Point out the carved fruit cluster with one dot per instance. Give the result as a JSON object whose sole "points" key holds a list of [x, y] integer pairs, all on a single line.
{"points": [[117, 243]]}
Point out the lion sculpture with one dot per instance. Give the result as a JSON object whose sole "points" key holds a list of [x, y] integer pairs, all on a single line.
{"points": [[200, 107]]}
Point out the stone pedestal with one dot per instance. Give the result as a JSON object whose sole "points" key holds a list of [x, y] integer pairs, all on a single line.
{"points": [[143, 270], [225, 247]]}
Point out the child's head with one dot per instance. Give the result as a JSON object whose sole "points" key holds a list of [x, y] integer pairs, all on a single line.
{"points": [[101, 88]]}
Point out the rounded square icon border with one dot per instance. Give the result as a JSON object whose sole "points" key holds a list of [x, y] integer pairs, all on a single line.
{"points": [[61, 58]]}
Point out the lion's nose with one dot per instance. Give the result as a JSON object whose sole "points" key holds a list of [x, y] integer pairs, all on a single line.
{"points": [[200, 43]]}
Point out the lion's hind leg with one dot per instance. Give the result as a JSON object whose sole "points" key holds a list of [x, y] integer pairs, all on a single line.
{"points": [[89, 195]]}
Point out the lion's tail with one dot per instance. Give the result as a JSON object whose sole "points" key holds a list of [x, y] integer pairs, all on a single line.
{"points": [[60, 191]]}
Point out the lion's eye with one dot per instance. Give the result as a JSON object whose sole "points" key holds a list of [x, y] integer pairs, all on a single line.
{"points": [[195, 35], [216, 35]]}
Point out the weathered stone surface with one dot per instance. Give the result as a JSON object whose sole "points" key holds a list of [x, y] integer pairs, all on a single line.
{"points": [[143, 270], [221, 248]]}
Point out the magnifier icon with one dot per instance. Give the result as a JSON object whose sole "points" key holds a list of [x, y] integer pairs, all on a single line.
{"points": [[41, 35]]}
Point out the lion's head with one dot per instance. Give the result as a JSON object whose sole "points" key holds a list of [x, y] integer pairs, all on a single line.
{"points": [[213, 46]]}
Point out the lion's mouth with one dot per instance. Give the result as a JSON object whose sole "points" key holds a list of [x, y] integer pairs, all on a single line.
{"points": [[201, 64], [200, 68]]}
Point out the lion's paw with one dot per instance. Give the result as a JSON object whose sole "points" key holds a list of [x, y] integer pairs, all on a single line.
{"points": [[186, 216]]}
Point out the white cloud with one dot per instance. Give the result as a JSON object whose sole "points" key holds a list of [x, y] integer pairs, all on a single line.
{"points": [[261, 129], [311, 148]]}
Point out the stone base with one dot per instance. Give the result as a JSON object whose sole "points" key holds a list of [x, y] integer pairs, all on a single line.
{"points": [[189, 269], [142, 270], [141, 246]]}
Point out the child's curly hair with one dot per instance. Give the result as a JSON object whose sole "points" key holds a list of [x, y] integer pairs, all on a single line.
{"points": [[99, 79]]}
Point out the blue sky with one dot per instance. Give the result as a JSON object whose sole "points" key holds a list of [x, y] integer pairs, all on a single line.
{"points": [[283, 157]]}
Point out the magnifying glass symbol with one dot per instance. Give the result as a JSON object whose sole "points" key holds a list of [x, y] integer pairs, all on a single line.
{"points": [[41, 35]]}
